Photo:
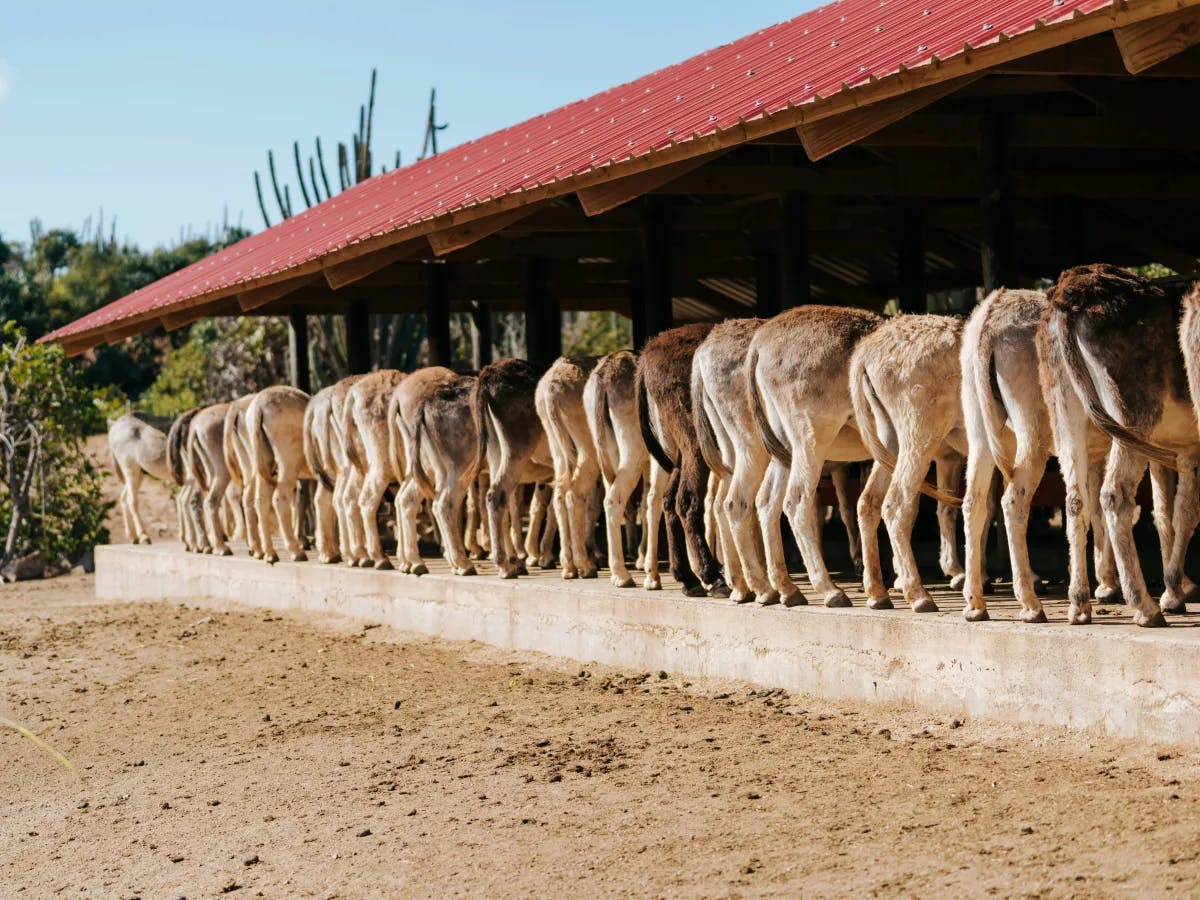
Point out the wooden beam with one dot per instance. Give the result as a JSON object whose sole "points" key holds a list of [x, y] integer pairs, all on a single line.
{"points": [[910, 252], [253, 299], [120, 332], [608, 196], [358, 337], [652, 311], [827, 136], [437, 313], [795, 275], [995, 191], [173, 321], [1144, 45], [298, 371], [455, 237], [543, 316], [339, 275]]}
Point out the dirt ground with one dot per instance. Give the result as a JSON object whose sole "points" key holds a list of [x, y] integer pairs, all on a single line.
{"points": [[237, 751]]}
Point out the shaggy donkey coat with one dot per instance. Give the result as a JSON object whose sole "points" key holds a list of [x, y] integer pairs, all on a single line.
{"points": [[365, 426], [1110, 354], [275, 427], [665, 411], [560, 407], [137, 443], [797, 373], [187, 500], [610, 400], [513, 445], [905, 387]]}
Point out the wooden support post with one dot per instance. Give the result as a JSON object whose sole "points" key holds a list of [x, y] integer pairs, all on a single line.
{"points": [[437, 313], [910, 249], [998, 261], [1066, 224], [795, 282], [652, 305], [766, 280], [358, 337], [543, 319], [298, 373], [481, 315]]}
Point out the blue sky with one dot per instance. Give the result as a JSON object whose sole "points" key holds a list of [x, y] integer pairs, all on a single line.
{"points": [[158, 113]]}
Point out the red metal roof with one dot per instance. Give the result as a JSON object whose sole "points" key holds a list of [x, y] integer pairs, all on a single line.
{"points": [[841, 46]]}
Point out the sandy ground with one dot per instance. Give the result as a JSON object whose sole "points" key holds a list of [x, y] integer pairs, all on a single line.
{"points": [[239, 751]]}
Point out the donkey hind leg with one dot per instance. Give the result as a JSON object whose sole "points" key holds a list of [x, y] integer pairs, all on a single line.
{"points": [[801, 507], [870, 514], [900, 514], [732, 563], [840, 476], [769, 503], [655, 496], [1118, 500], [746, 546], [285, 513], [616, 500], [326, 524], [1028, 469], [447, 510], [691, 502], [135, 529], [976, 514], [949, 467], [214, 499], [497, 502], [681, 570], [1108, 583], [1186, 515], [370, 496]]}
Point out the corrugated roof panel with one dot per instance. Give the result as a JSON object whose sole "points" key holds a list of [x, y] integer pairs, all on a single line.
{"points": [[813, 56]]}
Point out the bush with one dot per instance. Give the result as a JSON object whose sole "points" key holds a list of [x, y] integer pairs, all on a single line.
{"points": [[50, 493]]}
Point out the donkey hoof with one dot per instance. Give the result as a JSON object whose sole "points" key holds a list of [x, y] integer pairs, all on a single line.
{"points": [[384, 565], [838, 600], [144, 539], [652, 584], [1149, 620], [590, 572], [975, 614], [1079, 615], [509, 574], [569, 574], [742, 596], [331, 560], [1109, 595], [957, 582], [797, 599], [1172, 604], [224, 551], [619, 582], [880, 603], [694, 590], [465, 571], [768, 598], [720, 590], [924, 605], [270, 558], [1034, 616], [419, 569]]}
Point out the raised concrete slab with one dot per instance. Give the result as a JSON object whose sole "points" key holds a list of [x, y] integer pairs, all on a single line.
{"points": [[1109, 677]]}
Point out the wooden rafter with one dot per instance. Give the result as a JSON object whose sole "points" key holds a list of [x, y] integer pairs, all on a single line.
{"points": [[339, 275], [1145, 44], [252, 300], [827, 136], [608, 196], [456, 237]]}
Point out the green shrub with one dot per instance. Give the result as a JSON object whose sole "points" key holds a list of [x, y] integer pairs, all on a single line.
{"points": [[50, 493]]}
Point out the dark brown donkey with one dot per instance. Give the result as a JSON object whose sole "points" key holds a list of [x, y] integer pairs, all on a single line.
{"points": [[514, 447], [664, 397]]}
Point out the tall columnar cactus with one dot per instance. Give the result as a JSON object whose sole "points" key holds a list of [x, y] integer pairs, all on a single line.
{"points": [[397, 339]]}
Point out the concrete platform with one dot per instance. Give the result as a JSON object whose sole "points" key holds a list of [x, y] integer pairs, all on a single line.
{"points": [[1108, 677]]}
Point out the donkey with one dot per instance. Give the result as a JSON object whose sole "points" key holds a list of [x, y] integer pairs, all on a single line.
{"points": [[797, 372], [1110, 354], [559, 403], [667, 420], [729, 440], [275, 426], [206, 454], [1008, 428], [137, 445], [403, 411], [513, 444], [187, 499], [236, 445], [318, 453], [441, 465], [365, 428], [610, 401], [905, 389]]}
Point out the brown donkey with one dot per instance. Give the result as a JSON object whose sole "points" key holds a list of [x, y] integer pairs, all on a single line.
{"points": [[1110, 353], [665, 410]]}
